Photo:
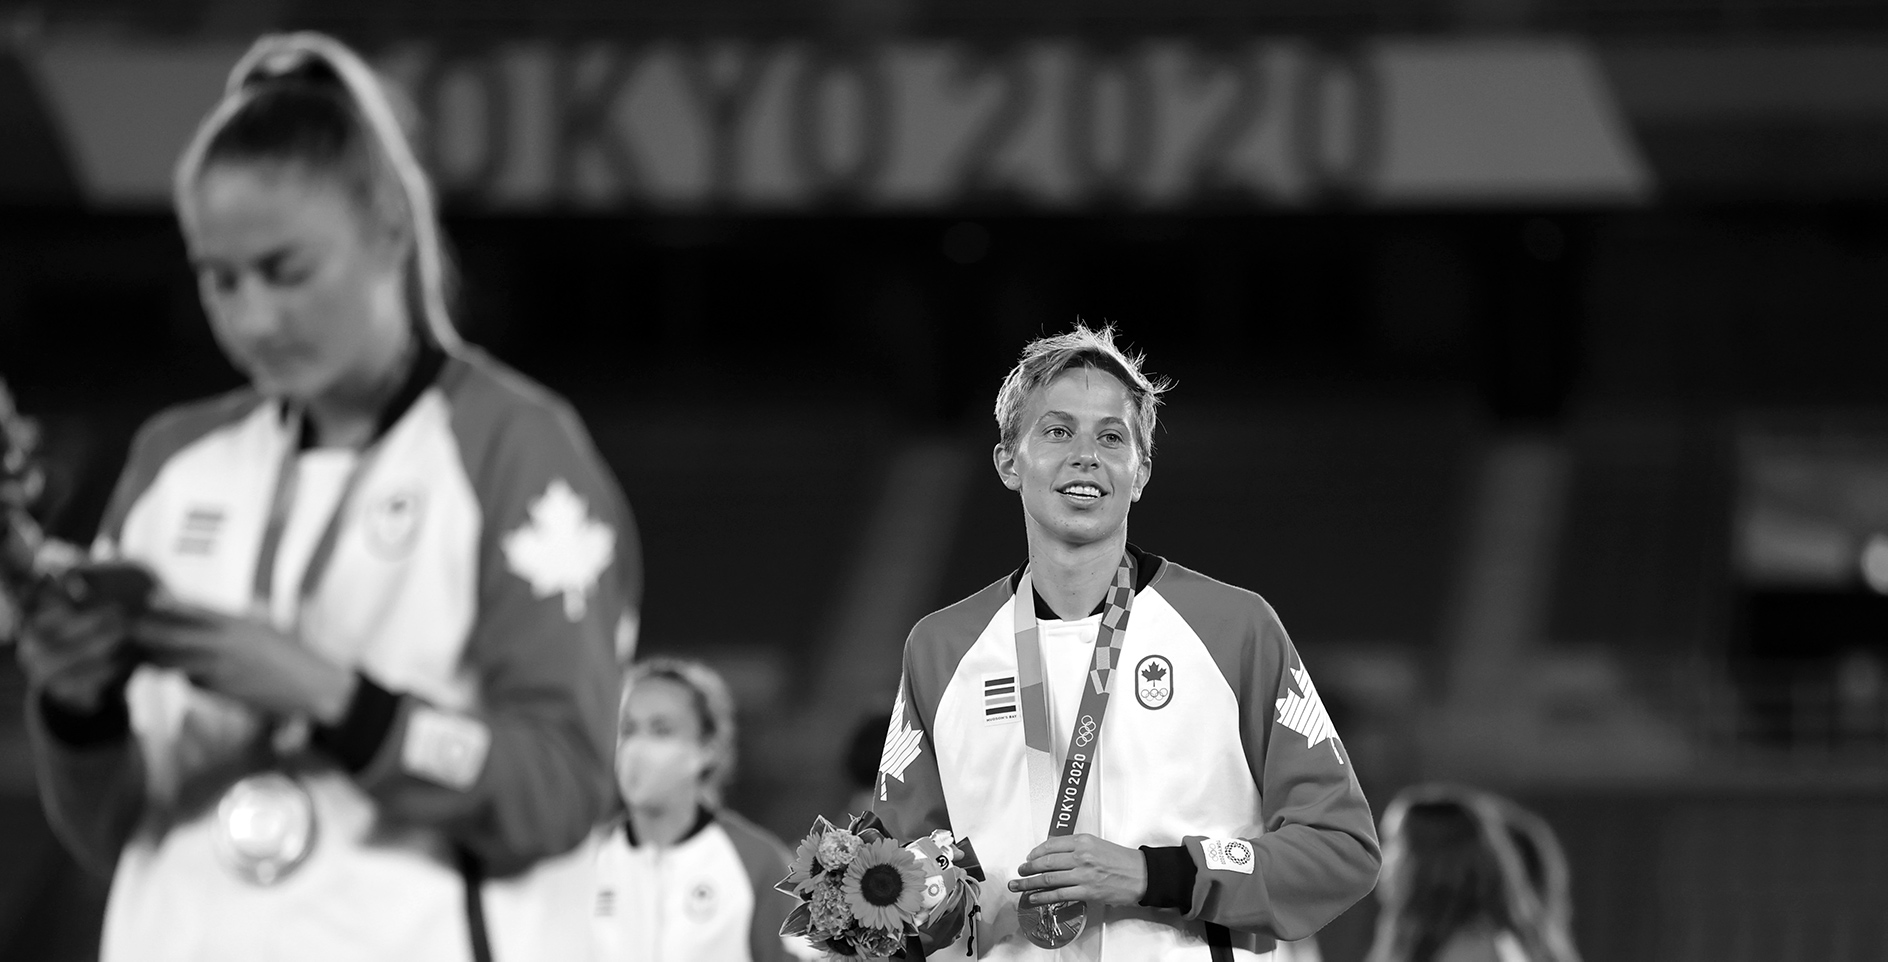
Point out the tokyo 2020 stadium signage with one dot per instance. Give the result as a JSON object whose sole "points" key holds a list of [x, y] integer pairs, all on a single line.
{"points": [[1046, 124]]}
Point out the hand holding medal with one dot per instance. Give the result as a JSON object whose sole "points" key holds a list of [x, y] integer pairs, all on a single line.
{"points": [[1067, 871]]}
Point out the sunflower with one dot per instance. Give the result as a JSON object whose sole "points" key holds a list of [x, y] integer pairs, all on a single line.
{"points": [[805, 863], [884, 886]]}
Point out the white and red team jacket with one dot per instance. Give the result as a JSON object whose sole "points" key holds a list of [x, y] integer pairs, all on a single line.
{"points": [[1216, 756], [708, 898], [483, 581]]}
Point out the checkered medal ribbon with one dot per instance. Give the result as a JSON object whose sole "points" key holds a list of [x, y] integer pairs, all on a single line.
{"points": [[1084, 740], [1055, 925]]}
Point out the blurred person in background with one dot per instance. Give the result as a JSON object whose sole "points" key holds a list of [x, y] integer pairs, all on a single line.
{"points": [[1544, 864], [1470, 877], [367, 712], [682, 878], [1222, 813]]}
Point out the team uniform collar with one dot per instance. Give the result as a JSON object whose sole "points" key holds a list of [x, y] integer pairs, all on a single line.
{"points": [[1146, 566], [703, 818], [428, 361]]}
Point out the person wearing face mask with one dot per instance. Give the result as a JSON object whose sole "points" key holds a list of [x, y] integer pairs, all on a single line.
{"points": [[682, 878], [1136, 750], [367, 713]]}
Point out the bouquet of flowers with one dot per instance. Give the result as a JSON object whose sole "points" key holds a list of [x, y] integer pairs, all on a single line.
{"points": [[863, 895], [30, 560], [21, 483]]}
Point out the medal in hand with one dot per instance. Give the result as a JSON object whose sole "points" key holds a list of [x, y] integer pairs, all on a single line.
{"points": [[1051, 926]]}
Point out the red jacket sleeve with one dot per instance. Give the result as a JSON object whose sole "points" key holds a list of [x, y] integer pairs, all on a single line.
{"points": [[910, 796], [1318, 854], [527, 773]]}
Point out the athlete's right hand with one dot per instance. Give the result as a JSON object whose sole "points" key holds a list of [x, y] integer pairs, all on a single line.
{"points": [[74, 656]]}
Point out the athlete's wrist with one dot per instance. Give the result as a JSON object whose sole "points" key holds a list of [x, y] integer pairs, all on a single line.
{"points": [[106, 719], [357, 736], [330, 692], [1170, 876]]}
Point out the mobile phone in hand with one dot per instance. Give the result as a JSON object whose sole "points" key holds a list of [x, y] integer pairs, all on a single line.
{"points": [[126, 584]]}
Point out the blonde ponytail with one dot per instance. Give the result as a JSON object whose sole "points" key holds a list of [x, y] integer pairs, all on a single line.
{"points": [[321, 60]]}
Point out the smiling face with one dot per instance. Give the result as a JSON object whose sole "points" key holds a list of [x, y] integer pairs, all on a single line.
{"points": [[302, 289], [1077, 462]]}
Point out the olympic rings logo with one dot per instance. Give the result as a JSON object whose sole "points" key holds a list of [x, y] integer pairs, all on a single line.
{"points": [[1085, 732]]}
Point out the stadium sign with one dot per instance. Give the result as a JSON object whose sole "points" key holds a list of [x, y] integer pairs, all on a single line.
{"points": [[1050, 124]]}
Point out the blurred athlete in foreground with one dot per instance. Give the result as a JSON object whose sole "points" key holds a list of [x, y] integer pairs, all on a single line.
{"points": [[1135, 749], [369, 713], [683, 878]]}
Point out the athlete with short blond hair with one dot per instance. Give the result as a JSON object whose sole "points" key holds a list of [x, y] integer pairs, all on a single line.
{"points": [[1135, 749]]}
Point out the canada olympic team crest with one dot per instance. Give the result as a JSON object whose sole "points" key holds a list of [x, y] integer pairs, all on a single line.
{"points": [[1153, 681], [700, 904], [393, 523]]}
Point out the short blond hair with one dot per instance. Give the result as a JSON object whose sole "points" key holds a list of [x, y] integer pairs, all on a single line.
{"points": [[1045, 358]]}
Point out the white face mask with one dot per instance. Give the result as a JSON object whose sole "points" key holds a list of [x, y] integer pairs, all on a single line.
{"points": [[658, 771]]}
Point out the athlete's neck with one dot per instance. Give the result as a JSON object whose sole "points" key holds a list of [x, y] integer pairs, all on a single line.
{"points": [[1074, 579], [347, 414], [664, 824]]}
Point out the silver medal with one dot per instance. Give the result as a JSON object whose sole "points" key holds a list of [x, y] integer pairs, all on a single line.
{"points": [[265, 827], [1054, 925]]}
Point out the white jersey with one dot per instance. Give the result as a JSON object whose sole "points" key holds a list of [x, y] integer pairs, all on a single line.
{"points": [[1215, 748], [708, 898], [480, 575]]}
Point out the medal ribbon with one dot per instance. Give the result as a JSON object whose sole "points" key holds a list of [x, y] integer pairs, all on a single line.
{"points": [[274, 798], [281, 503], [422, 371], [1063, 799]]}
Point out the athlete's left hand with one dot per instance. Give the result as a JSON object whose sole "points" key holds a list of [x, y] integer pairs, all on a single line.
{"points": [[1083, 868], [246, 659]]}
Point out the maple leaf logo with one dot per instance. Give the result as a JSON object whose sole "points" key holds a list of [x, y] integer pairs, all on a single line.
{"points": [[1303, 711], [903, 745], [1153, 672], [561, 549]]}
